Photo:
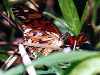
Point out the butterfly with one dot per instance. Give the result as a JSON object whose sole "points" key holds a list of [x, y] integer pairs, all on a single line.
{"points": [[42, 36]]}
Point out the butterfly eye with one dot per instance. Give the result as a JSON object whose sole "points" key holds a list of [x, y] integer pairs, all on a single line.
{"points": [[63, 36]]}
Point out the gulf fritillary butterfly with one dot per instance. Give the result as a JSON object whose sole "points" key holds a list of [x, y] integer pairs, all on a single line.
{"points": [[37, 30], [42, 35]]}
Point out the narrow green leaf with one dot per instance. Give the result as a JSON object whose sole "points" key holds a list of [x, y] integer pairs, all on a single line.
{"points": [[60, 23], [3, 56], [70, 15], [8, 9]]}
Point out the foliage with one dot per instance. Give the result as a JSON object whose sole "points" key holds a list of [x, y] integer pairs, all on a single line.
{"points": [[79, 62], [61, 58], [70, 15], [8, 9]]}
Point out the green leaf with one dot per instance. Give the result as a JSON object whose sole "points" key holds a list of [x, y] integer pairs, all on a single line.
{"points": [[60, 23], [64, 57], [96, 4], [3, 56], [45, 72], [98, 45], [87, 67], [1, 72], [57, 70], [54, 59], [70, 15], [8, 9]]}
